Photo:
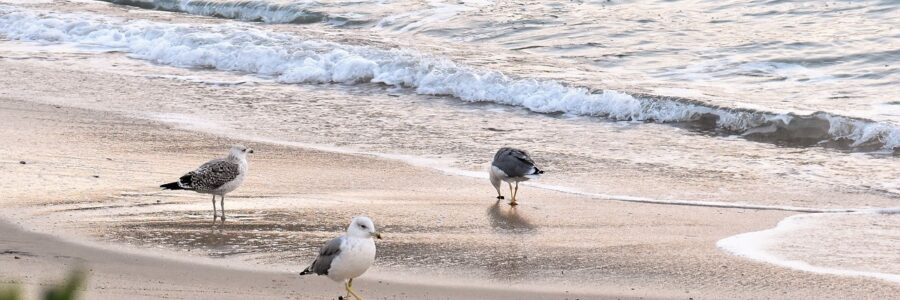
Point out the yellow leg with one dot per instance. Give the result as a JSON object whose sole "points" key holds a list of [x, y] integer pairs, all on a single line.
{"points": [[350, 290], [513, 200], [516, 191], [347, 287]]}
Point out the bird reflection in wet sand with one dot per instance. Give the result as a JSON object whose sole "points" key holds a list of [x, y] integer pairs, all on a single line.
{"points": [[507, 218]]}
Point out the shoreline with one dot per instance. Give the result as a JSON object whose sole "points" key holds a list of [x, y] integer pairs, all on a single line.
{"points": [[609, 290], [751, 245], [97, 132], [34, 247]]}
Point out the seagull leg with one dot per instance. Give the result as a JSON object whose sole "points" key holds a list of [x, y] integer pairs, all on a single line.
{"points": [[350, 290], [516, 192], [347, 287], [513, 193], [214, 208], [222, 206], [496, 182]]}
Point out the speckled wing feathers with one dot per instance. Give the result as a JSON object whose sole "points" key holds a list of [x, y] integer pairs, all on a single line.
{"points": [[211, 175]]}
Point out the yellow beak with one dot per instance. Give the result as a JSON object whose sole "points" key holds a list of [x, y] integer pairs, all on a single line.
{"points": [[377, 235]]}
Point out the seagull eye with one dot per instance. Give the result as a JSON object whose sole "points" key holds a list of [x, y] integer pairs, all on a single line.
{"points": [[363, 226]]}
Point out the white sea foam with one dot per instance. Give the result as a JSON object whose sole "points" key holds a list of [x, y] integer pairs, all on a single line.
{"points": [[235, 47], [289, 59], [759, 245]]}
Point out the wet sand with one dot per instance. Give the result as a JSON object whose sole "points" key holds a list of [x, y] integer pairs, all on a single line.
{"points": [[92, 176]]}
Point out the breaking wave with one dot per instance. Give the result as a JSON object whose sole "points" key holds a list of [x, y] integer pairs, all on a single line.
{"points": [[290, 59]]}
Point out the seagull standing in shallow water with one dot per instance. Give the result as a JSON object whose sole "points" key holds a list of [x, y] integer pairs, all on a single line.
{"points": [[348, 256], [216, 177], [512, 165]]}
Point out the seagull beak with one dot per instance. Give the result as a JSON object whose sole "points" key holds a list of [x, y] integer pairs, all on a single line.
{"points": [[250, 151], [377, 235]]}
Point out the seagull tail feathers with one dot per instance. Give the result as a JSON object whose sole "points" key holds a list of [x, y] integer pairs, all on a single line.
{"points": [[306, 272], [183, 183], [535, 173], [171, 186]]}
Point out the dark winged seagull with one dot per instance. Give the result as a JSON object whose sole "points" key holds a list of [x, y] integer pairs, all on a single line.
{"points": [[216, 177], [512, 165], [347, 256]]}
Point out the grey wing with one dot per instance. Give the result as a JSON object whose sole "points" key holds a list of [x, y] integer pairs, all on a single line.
{"points": [[514, 162], [214, 174], [327, 254]]}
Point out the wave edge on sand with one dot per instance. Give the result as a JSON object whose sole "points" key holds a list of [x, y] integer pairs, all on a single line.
{"points": [[754, 246]]}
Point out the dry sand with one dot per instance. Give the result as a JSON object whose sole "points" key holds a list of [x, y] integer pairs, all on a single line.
{"points": [[80, 161]]}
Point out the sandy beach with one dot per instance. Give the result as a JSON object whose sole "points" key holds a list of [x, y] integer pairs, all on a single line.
{"points": [[92, 175], [626, 210]]}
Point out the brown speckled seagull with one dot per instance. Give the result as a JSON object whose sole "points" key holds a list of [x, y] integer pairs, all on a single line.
{"points": [[216, 177]]}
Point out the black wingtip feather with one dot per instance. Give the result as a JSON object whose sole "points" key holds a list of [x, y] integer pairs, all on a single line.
{"points": [[171, 186]]}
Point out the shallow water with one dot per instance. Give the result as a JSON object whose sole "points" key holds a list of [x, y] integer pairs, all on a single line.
{"points": [[580, 84], [850, 244], [798, 56]]}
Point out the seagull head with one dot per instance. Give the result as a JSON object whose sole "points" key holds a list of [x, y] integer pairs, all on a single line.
{"points": [[239, 151], [362, 227]]}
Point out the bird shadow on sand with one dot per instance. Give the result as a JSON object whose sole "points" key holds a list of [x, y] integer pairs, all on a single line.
{"points": [[508, 218]]}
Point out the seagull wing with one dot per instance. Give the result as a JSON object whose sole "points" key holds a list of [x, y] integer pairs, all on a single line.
{"points": [[322, 264], [514, 162], [212, 175]]}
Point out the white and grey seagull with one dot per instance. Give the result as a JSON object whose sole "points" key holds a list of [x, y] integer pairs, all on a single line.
{"points": [[217, 177], [347, 256], [512, 165]]}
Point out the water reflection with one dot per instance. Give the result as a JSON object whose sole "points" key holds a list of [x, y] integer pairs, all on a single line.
{"points": [[505, 217]]}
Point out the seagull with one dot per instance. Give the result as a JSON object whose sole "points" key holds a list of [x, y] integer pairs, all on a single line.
{"points": [[347, 256], [512, 165], [216, 177]]}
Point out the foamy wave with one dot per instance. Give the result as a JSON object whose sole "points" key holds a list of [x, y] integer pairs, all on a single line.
{"points": [[289, 59], [757, 246]]}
